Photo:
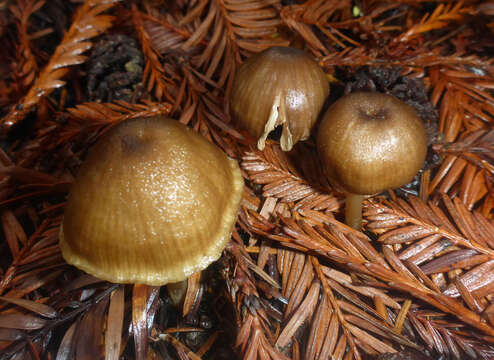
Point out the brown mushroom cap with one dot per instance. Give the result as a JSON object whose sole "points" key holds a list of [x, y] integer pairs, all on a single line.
{"points": [[370, 142], [153, 203], [279, 86]]}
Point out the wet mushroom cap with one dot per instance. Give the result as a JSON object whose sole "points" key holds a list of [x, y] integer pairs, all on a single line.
{"points": [[370, 142], [153, 203], [278, 86]]}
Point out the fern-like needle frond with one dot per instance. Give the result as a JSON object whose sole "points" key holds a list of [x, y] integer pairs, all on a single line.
{"points": [[89, 22]]}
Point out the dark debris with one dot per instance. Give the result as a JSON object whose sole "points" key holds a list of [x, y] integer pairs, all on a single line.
{"points": [[114, 70]]}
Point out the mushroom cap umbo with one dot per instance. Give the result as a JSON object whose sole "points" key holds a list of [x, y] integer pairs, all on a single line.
{"points": [[152, 203], [278, 86], [369, 142]]}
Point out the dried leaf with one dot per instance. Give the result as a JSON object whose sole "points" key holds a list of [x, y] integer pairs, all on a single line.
{"points": [[303, 312], [113, 333], [21, 321], [39, 308]]}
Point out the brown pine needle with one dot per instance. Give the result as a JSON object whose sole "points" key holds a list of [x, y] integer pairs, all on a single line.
{"points": [[88, 23]]}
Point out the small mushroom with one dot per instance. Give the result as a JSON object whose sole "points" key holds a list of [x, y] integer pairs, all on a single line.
{"points": [[279, 86], [369, 142], [153, 203]]}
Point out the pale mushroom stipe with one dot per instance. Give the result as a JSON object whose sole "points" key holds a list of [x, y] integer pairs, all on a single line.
{"points": [[152, 203], [278, 86], [369, 142]]}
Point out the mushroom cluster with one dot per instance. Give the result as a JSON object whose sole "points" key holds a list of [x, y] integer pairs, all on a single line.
{"points": [[153, 203], [367, 142]]}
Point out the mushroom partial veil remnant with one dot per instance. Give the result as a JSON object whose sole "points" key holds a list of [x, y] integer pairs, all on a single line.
{"points": [[369, 142], [278, 86], [152, 203]]}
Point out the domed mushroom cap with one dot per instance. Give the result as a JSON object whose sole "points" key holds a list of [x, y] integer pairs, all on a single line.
{"points": [[153, 203], [279, 86], [370, 142]]}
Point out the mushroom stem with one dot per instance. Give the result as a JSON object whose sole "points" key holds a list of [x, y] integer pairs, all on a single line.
{"points": [[353, 210], [177, 291]]}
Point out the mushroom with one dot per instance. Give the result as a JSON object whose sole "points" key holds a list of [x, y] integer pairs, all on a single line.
{"points": [[278, 86], [369, 142], [152, 203]]}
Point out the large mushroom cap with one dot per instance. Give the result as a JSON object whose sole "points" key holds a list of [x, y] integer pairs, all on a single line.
{"points": [[153, 203], [370, 142]]}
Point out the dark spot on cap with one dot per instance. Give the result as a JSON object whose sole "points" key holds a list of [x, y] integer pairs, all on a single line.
{"points": [[377, 114], [134, 144]]}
